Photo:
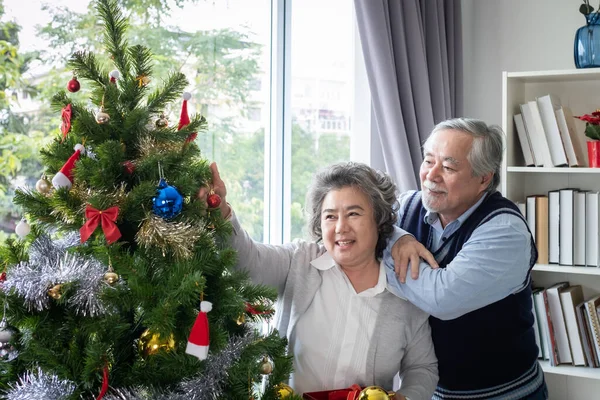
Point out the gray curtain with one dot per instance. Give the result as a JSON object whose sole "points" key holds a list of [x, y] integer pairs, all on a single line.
{"points": [[413, 56]]}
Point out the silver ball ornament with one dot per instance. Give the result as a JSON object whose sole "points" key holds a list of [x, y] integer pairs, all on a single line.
{"points": [[102, 117], [7, 350]]}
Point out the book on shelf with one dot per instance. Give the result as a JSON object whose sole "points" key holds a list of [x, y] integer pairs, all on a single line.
{"points": [[584, 327], [536, 324], [592, 228], [530, 214], [524, 141], [537, 217], [570, 137], [579, 228], [553, 226], [535, 131], [561, 336], [594, 322], [546, 106], [552, 345], [540, 309], [569, 298], [522, 208], [566, 226]]}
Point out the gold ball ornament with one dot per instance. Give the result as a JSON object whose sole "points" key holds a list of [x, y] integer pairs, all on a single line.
{"points": [[266, 366], [43, 186], [102, 117], [55, 292], [111, 277], [283, 391], [151, 343], [162, 122], [241, 319], [375, 393]]}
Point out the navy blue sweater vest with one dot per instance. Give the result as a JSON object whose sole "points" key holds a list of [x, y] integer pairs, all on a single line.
{"points": [[494, 344]]}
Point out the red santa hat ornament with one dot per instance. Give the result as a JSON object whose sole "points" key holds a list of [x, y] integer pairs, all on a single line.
{"points": [[64, 177], [184, 119], [198, 340]]}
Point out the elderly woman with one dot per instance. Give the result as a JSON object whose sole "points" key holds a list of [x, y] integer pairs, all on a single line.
{"points": [[343, 325]]}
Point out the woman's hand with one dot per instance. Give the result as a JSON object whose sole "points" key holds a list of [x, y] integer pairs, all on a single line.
{"points": [[218, 186]]}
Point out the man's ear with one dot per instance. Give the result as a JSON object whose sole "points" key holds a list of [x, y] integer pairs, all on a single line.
{"points": [[486, 179]]}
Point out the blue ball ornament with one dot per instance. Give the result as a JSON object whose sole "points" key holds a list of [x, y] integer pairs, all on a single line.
{"points": [[168, 201]]}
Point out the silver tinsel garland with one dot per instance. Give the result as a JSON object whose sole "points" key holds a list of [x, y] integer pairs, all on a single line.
{"points": [[51, 264], [206, 386], [40, 386]]}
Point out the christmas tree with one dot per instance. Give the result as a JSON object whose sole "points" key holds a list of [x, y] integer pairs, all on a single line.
{"points": [[121, 286]]}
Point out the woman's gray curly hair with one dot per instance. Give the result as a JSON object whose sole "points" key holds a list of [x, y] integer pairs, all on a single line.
{"points": [[378, 186]]}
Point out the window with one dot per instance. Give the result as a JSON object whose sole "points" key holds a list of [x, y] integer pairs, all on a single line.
{"points": [[279, 101], [322, 86]]}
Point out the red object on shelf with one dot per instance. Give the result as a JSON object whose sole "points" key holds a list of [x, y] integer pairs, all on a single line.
{"points": [[593, 147]]}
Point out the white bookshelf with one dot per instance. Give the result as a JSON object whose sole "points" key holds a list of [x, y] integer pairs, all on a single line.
{"points": [[579, 90], [569, 370]]}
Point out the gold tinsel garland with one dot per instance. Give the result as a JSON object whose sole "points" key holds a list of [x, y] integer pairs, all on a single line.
{"points": [[177, 238], [148, 146]]}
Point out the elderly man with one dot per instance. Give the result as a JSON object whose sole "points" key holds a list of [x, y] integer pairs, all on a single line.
{"points": [[480, 297]]}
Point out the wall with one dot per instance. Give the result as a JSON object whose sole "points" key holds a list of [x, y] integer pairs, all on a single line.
{"points": [[513, 35], [519, 35]]}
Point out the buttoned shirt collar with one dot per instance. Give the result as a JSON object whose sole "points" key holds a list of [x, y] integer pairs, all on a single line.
{"points": [[325, 262], [432, 218]]}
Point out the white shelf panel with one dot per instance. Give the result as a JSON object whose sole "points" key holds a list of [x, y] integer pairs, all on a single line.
{"points": [[567, 270], [555, 76], [569, 370], [538, 170]]}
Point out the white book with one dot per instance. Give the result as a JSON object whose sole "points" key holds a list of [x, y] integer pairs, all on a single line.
{"points": [[546, 106], [522, 208], [566, 226], [592, 237], [576, 136], [524, 140], [530, 214], [553, 227], [558, 322], [569, 298], [540, 308], [570, 138], [535, 130], [536, 326], [579, 228]]}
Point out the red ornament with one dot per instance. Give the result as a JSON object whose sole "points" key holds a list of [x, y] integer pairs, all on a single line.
{"points": [[73, 85], [213, 200], [3, 277], [129, 167], [106, 218]]}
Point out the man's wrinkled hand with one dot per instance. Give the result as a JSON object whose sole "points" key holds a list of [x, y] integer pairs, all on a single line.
{"points": [[408, 251]]}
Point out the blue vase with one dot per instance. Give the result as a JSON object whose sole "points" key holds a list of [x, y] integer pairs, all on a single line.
{"points": [[587, 43]]}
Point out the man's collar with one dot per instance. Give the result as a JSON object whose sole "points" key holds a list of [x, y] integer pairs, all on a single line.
{"points": [[431, 217]]}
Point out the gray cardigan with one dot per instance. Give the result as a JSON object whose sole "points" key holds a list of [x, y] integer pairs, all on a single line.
{"points": [[402, 337]]}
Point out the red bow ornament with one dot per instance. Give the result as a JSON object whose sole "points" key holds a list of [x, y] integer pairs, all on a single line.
{"points": [[108, 220]]}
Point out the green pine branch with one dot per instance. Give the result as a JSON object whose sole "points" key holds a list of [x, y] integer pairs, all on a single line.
{"points": [[171, 91], [115, 25], [85, 65]]}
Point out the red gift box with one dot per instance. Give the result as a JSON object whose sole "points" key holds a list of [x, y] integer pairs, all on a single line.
{"points": [[350, 393]]}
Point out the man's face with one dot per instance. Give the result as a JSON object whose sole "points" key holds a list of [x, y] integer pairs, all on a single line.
{"points": [[448, 185]]}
